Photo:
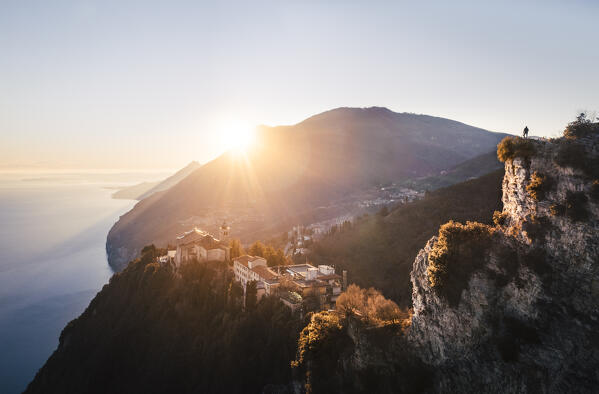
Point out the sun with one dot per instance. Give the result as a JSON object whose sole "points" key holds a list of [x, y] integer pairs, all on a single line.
{"points": [[238, 137]]}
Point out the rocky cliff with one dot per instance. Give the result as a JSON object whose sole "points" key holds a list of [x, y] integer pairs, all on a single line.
{"points": [[509, 308], [506, 308], [527, 320]]}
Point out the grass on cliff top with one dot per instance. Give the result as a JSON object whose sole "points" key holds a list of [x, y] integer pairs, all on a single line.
{"points": [[511, 147], [459, 251]]}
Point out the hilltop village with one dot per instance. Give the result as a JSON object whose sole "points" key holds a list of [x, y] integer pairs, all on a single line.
{"points": [[301, 287]]}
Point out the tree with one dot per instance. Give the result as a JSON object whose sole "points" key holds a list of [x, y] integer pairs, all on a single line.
{"points": [[581, 127], [251, 295], [149, 253], [235, 294], [257, 249], [274, 257], [351, 301], [281, 259], [236, 248], [370, 305]]}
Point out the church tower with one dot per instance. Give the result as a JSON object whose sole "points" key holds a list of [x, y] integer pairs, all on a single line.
{"points": [[224, 232]]}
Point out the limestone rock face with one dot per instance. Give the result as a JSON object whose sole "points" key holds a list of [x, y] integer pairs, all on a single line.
{"points": [[528, 319]]}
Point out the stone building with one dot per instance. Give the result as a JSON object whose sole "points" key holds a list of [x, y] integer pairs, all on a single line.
{"points": [[201, 246]]}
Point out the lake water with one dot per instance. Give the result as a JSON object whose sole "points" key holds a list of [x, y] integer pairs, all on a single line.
{"points": [[53, 231]]}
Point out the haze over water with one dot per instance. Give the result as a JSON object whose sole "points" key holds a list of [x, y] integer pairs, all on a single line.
{"points": [[52, 260]]}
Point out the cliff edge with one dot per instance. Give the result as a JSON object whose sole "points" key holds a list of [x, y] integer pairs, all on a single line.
{"points": [[506, 308], [515, 307]]}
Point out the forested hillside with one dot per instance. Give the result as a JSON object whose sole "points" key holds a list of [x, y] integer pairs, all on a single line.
{"points": [[149, 331], [379, 250]]}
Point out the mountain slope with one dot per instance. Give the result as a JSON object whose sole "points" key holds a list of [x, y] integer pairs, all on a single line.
{"points": [[146, 189], [469, 169], [172, 180], [184, 333], [379, 251], [294, 170]]}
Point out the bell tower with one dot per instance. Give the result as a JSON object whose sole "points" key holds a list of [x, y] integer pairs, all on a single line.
{"points": [[224, 232]]}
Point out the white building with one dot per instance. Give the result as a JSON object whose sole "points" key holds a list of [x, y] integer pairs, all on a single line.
{"points": [[304, 280], [253, 268], [201, 246]]}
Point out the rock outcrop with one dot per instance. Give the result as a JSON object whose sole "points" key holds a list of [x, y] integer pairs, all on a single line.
{"points": [[528, 318], [510, 308]]}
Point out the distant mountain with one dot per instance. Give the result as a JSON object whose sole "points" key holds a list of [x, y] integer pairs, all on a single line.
{"points": [[294, 170], [172, 180], [146, 189], [134, 192]]}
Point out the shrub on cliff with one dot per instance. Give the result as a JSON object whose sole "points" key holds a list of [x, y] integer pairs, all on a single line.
{"points": [[581, 127], [321, 342], [326, 357], [370, 305], [512, 147], [499, 218], [323, 326], [458, 252], [573, 154], [539, 185]]}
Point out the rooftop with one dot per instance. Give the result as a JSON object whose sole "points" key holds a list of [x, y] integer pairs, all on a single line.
{"points": [[292, 297], [310, 283], [299, 268], [266, 273], [329, 277], [202, 237]]}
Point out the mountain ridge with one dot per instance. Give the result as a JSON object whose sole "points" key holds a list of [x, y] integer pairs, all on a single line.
{"points": [[296, 169]]}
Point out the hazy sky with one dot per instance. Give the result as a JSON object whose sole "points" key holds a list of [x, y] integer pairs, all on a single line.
{"points": [[147, 84]]}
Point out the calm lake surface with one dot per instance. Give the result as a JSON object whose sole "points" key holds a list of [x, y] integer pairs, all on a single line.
{"points": [[53, 231]]}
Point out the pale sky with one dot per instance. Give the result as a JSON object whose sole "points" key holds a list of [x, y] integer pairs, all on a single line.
{"points": [[148, 84]]}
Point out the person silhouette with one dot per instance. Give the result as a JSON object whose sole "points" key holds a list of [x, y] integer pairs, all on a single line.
{"points": [[525, 132]]}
